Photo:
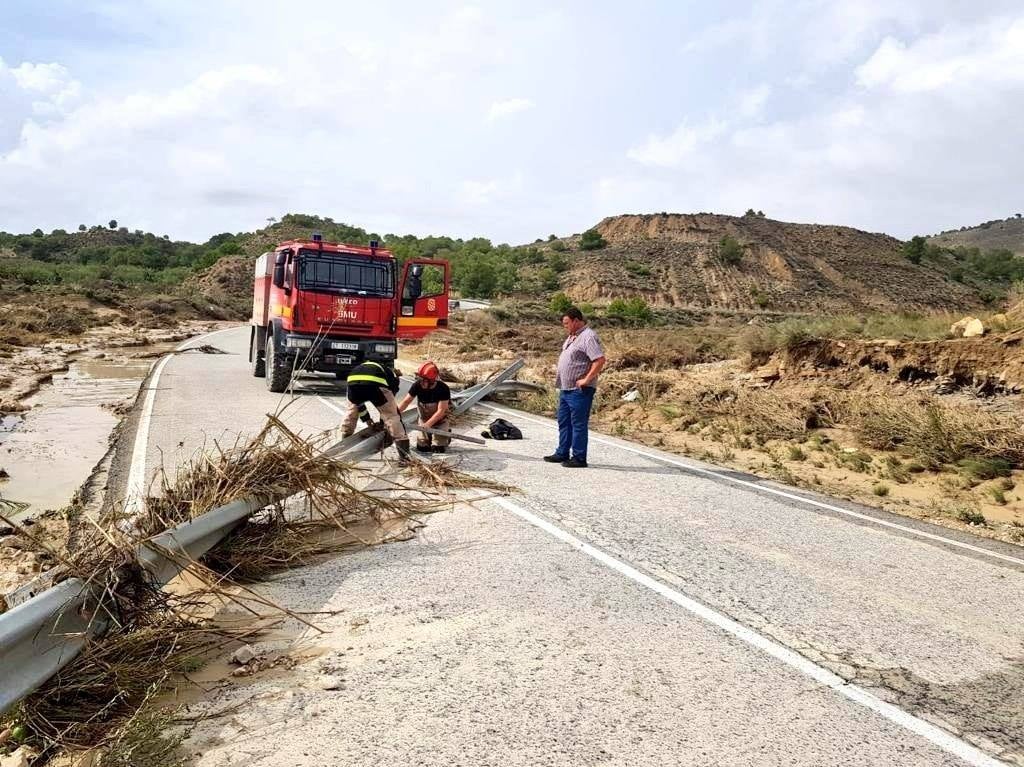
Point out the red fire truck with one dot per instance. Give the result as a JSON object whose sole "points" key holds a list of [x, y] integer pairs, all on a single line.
{"points": [[328, 306]]}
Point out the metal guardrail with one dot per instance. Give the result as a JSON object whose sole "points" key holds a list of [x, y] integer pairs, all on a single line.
{"points": [[44, 634]]}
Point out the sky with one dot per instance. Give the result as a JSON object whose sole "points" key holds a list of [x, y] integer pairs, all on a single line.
{"points": [[508, 120]]}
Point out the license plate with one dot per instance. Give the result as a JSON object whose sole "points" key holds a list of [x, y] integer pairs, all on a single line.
{"points": [[345, 345]]}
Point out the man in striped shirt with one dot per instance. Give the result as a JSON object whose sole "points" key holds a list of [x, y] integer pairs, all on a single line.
{"points": [[579, 364]]}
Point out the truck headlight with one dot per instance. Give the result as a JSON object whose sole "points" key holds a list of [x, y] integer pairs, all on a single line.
{"points": [[384, 348], [299, 343]]}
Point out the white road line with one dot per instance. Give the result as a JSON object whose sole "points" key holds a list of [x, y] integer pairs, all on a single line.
{"points": [[331, 405], [894, 714], [780, 493], [136, 485]]}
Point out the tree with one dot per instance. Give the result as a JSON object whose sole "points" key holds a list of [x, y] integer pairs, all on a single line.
{"points": [[914, 250], [592, 240], [479, 279], [552, 238], [750, 212], [112, 224], [760, 213], [82, 227], [559, 303], [730, 251]]}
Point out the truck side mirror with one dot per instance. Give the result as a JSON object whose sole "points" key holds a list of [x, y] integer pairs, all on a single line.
{"points": [[415, 281], [279, 263]]}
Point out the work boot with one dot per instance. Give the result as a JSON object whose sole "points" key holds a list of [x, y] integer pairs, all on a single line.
{"points": [[402, 445], [422, 447], [439, 448]]}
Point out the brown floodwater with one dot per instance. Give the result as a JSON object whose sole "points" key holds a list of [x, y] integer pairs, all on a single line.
{"points": [[50, 450]]}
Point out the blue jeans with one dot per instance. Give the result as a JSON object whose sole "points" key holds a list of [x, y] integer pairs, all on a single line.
{"points": [[573, 419]]}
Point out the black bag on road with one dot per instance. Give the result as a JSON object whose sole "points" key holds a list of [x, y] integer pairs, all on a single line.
{"points": [[502, 429]]}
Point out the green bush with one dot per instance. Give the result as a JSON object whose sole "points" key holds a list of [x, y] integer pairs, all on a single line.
{"points": [[558, 263], [914, 249], [633, 310], [559, 246], [637, 269], [549, 279], [730, 251], [592, 240], [559, 303]]}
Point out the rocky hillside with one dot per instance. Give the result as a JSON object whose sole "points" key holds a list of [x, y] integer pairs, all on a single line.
{"points": [[992, 235], [679, 260]]}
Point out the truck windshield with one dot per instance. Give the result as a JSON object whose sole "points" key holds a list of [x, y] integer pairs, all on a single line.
{"points": [[350, 275]]}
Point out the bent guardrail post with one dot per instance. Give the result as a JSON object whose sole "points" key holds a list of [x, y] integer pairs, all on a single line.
{"points": [[192, 539]]}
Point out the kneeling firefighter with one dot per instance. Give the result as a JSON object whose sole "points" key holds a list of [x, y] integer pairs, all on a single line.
{"points": [[433, 399], [377, 384]]}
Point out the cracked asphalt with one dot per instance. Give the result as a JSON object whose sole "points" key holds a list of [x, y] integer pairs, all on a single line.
{"points": [[485, 640]]}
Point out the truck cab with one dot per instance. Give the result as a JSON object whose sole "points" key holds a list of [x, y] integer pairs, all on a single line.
{"points": [[326, 306]]}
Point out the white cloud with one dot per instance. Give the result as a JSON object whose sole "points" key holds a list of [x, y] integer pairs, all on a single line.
{"points": [[681, 145], [508, 107], [752, 102], [921, 139], [991, 55]]}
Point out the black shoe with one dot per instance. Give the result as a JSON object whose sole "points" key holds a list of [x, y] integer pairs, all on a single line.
{"points": [[574, 463], [422, 448], [439, 448], [555, 458]]}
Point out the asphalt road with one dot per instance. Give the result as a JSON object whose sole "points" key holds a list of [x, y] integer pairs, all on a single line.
{"points": [[649, 610]]}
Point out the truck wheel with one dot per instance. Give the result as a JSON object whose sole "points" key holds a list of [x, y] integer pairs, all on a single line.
{"points": [[278, 375], [257, 363]]}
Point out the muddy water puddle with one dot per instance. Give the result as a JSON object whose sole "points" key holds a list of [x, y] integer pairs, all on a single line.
{"points": [[50, 450]]}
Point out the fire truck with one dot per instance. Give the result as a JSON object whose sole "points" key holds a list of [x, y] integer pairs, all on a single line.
{"points": [[327, 306]]}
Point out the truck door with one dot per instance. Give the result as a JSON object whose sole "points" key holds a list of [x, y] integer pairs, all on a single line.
{"points": [[423, 297]]}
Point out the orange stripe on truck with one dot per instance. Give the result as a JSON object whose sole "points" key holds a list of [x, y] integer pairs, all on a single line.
{"points": [[417, 322]]}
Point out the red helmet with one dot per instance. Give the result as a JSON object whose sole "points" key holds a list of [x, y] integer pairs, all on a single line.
{"points": [[428, 371]]}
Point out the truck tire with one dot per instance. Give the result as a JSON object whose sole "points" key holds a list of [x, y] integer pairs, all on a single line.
{"points": [[277, 373], [257, 363]]}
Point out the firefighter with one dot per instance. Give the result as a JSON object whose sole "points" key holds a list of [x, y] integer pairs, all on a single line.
{"points": [[377, 384], [434, 400]]}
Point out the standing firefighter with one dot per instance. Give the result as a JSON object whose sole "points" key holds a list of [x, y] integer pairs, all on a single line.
{"points": [[434, 400], [374, 383]]}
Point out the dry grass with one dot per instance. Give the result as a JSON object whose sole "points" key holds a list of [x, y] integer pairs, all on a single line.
{"points": [[444, 476], [934, 433]]}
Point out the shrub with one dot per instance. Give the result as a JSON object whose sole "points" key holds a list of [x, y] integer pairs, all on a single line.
{"points": [[559, 303], [914, 249], [558, 246], [970, 516], [558, 263], [881, 490], [549, 279], [633, 310], [730, 251], [985, 468], [637, 269], [592, 240], [796, 454]]}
